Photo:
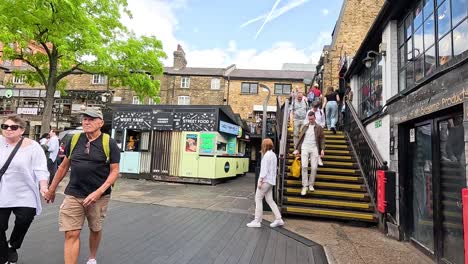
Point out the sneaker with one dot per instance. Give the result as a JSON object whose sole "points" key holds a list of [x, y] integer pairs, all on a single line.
{"points": [[276, 223], [304, 191], [91, 261], [311, 188], [320, 162], [254, 223], [12, 255]]}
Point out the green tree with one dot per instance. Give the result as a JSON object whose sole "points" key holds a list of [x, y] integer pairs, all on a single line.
{"points": [[57, 38]]}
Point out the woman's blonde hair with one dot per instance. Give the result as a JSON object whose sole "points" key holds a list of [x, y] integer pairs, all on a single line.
{"points": [[267, 145]]}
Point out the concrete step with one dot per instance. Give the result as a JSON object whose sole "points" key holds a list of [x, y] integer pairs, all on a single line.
{"points": [[334, 178], [329, 185]]}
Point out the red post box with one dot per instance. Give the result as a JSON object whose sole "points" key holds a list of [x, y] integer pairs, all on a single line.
{"points": [[465, 220]]}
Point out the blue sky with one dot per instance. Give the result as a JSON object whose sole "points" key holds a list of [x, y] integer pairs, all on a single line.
{"points": [[217, 33]]}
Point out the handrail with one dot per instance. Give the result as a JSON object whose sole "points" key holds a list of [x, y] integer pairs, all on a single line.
{"points": [[361, 127], [282, 153], [368, 157]]}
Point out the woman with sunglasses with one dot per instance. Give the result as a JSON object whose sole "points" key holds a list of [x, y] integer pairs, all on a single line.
{"points": [[21, 185]]}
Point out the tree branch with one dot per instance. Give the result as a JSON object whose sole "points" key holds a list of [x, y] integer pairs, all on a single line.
{"points": [[38, 70], [70, 71], [44, 45]]}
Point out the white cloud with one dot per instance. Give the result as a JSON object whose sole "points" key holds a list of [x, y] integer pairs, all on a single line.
{"points": [[267, 19], [325, 12], [157, 17]]}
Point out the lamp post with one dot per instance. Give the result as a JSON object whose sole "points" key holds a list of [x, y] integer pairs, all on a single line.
{"points": [[265, 105]]}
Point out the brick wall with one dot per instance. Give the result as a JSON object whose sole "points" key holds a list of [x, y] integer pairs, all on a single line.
{"points": [[244, 103], [200, 91], [356, 20]]}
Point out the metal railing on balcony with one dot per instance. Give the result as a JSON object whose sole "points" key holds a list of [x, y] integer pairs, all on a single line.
{"points": [[368, 156]]}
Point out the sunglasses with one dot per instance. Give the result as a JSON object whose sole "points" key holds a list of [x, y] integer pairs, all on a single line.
{"points": [[87, 147], [12, 127]]}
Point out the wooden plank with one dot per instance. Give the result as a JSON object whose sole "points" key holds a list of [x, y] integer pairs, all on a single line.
{"points": [[269, 256], [291, 251], [302, 254], [280, 251], [260, 248]]}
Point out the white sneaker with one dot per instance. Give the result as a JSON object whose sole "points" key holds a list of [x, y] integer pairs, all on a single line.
{"points": [[254, 223], [91, 261], [304, 191], [320, 162], [311, 188], [276, 223]]}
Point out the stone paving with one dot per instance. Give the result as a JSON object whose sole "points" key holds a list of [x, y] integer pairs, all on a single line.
{"points": [[343, 242]]}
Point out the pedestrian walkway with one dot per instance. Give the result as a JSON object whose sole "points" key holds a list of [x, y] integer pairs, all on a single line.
{"points": [[143, 234]]}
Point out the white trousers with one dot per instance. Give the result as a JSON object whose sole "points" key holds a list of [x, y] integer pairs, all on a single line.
{"points": [[265, 191], [307, 155]]}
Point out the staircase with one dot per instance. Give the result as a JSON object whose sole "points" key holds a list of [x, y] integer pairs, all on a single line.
{"points": [[340, 190]]}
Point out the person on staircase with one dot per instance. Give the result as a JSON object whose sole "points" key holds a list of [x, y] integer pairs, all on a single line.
{"points": [[330, 104], [319, 120], [299, 109], [312, 147], [266, 181]]}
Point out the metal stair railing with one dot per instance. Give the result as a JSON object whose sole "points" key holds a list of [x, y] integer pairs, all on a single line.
{"points": [[369, 158], [282, 157]]}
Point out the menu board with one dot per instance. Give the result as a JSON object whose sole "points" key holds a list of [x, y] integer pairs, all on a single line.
{"points": [[231, 145], [142, 120], [207, 143], [194, 121]]}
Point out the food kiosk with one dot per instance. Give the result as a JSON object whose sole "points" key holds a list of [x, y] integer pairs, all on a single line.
{"points": [[203, 144]]}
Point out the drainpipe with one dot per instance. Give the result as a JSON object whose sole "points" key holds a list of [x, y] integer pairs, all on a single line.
{"points": [[229, 84]]}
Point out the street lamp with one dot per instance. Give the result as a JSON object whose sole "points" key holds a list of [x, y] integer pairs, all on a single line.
{"points": [[265, 105]]}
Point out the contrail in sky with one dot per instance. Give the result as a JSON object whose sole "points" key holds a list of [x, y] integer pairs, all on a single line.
{"points": [[268, 17]]}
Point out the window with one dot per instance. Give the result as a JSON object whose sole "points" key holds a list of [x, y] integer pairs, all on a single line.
{"points": [[371, 91], [99, 79], [215, 84], [429, 36], [282, 88], [19, 79], [136, 100], [249, 88], [183, 100], [151, 101], [185, 82]]}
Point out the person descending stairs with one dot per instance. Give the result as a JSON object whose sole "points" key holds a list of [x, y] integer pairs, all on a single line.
{"points": [[339, 190]]}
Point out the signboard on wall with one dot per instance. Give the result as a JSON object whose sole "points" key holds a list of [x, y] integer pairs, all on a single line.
{"points": [[191, 142], [228, 128], [162, 121], [207, 143], [194, 121], [26, 110]]}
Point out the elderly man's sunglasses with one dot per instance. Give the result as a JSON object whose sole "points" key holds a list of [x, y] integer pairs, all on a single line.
{"points": [[12, 127]]}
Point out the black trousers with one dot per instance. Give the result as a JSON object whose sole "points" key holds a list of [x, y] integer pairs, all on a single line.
{"points": [[52, 167], [24, 217]]}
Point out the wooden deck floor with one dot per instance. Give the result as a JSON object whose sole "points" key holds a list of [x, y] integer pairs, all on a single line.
{"points": [[140, 233]]}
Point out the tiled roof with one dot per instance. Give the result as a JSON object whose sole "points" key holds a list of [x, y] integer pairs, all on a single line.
{"points": [[195, 71], [271, 74]]}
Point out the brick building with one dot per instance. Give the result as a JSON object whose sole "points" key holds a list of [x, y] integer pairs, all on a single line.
{"points": [[354, 21]]}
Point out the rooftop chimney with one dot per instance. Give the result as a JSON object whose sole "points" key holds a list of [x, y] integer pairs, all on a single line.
{"points": [[179, 58]]}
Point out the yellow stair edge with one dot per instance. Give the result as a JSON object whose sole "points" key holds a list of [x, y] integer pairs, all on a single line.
{"points": [[337, 163], [334, 141], [328, 202], [328, 184], [335, 151], [331, 193], [337, 157], [330, 159], [335, 146], [334, 136], [336, 213], [321, 169], [337, 177]]}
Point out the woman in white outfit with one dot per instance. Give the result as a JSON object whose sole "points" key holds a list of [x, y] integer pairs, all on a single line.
{"points": [[266, 181]]}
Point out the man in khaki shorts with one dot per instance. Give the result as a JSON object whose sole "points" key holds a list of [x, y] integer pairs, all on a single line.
{"points": [[93, 171]]}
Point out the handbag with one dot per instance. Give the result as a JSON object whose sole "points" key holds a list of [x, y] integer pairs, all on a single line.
{"points": [[296, 168], [12, 154]]}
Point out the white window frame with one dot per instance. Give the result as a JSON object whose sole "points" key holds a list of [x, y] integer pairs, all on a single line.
{"points": [[185, 82], [151, 101], [98, 79], [183, 100], [136, 100], [19, 79], [215, 83]]}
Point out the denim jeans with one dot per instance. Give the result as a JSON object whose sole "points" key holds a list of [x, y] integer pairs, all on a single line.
{"points": [[332, 114]]}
